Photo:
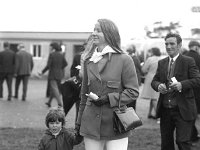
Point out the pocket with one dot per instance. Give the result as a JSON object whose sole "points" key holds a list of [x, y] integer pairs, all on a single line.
{"points": [[113, 84]]}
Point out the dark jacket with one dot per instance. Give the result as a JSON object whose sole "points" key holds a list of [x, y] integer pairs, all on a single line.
{"points": [[23, 63], [185, 72], [74, 71], [63, 141], [196, 57], [56, 64], [138, 68], [7, 61]]}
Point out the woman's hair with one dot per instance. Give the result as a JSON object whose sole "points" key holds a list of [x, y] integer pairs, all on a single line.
{"points": [[155, 51], [56, 46], [55, 114], [89, 48], [111, 34]]}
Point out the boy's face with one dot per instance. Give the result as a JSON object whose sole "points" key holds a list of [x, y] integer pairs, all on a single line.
{"points": [[55, 127]]}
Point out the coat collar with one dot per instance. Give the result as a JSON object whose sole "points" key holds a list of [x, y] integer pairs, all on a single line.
{"points": [[97, 68]]}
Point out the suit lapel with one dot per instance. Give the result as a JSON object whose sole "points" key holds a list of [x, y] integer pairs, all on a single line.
{"points": [[165, 66]]}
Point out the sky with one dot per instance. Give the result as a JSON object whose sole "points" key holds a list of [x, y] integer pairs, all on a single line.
{"points": [[131, 16]]}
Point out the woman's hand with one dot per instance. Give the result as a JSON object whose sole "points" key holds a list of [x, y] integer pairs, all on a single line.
{"points": [[101, 101]]}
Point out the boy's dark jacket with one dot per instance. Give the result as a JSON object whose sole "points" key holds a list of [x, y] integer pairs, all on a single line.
{"points": [[63, 141]]}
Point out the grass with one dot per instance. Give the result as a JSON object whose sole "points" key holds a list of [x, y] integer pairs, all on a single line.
{"points": [[28, 139]]}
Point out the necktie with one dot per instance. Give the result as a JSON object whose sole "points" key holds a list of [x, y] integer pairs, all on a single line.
{"points": [[170, 69]]}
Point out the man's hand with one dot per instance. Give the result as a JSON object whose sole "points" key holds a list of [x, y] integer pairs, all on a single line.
{"points": [[162, 88], [176, 86]]}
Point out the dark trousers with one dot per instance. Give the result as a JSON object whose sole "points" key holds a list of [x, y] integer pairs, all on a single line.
{"points": [[194, 135], [48, 88], [171, 120], [24, 79], [8, 77]]}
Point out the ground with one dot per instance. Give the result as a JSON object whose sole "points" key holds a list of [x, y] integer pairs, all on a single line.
{"points": [[15, 116]]}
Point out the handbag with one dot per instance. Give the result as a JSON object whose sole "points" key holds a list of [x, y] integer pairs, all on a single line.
{"points": [[125, 119]]}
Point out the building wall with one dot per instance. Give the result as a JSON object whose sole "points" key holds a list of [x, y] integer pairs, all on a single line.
{"points": [[69, 40]]}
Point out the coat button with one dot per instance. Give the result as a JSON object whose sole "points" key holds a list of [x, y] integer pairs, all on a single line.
{"points": [[98, 116]]}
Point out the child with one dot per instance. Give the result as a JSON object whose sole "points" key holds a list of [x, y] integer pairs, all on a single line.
{"points": [[56, 137]]}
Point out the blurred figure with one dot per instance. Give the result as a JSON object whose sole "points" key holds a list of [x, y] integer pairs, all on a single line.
{"points": [[70, 89], [56, 64], [132, 52], [7, 62], [149, 69], [184, 51], [45, 69], [74, 70], [24, 65], [194, 47]]}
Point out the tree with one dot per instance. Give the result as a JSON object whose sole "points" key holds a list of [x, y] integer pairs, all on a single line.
{"points": [[160, 30], [195, 31]]}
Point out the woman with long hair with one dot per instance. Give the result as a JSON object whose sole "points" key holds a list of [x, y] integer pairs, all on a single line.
{"points": [[110, 74]]}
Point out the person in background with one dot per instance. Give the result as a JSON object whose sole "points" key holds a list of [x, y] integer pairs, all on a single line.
{"points": [[194, 47], [45, 69], [149, 70], [7, 64], [23, 67], [70, 89], [183, 51], [175, 79], [132, 52], [56, 136], [56, 64], [111, 75]]}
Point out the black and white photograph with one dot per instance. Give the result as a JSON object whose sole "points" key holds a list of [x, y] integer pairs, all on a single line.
{"points": [[100, 75]]}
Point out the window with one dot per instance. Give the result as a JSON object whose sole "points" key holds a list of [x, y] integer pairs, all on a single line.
{"points": [[36, 50]]}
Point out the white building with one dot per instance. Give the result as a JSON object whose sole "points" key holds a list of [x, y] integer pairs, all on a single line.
{"points": [[37, 43]]}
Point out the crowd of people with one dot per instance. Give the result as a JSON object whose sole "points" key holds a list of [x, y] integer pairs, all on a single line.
{"points": [[171, 86]]}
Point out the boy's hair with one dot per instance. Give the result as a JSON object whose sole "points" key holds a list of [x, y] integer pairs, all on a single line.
{"points": [[55, 114]]}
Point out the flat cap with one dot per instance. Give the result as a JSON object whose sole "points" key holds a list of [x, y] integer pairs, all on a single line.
{"points": [[194, 43]]}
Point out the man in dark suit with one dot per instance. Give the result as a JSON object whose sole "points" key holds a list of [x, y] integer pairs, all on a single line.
{"points": [[7, 62], [23, 68], [175, 79], [194, 46]]}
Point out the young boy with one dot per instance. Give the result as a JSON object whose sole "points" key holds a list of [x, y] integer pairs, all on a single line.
{"points": [[56, 137]]}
